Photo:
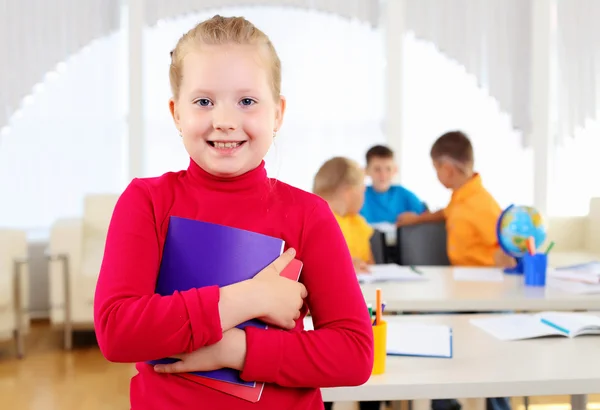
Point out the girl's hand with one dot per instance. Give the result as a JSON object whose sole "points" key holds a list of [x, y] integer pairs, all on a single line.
{"points": [[360, 266], [229, 352], [281, 298]]}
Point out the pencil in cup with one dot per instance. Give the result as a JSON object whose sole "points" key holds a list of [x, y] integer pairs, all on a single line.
{"points": [[380, 347]]}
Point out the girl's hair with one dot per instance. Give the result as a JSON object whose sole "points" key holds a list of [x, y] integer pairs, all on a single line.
{"points": [[336, 173], [220, 30]]}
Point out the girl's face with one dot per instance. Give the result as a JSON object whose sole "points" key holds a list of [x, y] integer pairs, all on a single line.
{"points": [[226, 111], [355, 198]]}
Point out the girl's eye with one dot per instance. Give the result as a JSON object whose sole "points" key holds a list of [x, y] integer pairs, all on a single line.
{"points": [[204, 102], [247, 101]]}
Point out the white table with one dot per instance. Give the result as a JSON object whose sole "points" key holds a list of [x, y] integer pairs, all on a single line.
{"points": [[483, 366], [442, 293]]}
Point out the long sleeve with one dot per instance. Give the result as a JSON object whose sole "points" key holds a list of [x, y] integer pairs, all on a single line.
{"points": [[132, 323], [339, 352]]}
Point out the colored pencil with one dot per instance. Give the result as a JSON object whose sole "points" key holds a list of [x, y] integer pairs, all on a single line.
{"points": [[378, 311], [549, 247]]}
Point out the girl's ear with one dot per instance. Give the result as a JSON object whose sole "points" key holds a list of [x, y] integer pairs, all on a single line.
{"points": [[279, 112], [174, 113]]}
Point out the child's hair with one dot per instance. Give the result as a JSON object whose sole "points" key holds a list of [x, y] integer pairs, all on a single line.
{"points": [[455, 146], [336, 173], [220, 30], [379, 151]]}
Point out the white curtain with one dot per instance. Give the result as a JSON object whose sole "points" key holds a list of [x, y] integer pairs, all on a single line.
{"points": [[491, 39], [578, 63], [362, 10], [67, 139], [36, 35], [440, 96], [332, 79]]}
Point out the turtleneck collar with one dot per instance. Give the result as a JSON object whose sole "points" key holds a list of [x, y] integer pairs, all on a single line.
{"points": [[252, 179]]}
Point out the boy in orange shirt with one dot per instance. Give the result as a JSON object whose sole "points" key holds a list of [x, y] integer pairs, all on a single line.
{"points": [[471, 215]]}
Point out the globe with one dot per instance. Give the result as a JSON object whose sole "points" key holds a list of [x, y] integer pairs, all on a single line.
{"points": [[515, 225]]}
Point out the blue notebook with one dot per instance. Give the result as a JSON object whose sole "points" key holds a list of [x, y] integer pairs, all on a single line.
{"points": [[197, 254]]}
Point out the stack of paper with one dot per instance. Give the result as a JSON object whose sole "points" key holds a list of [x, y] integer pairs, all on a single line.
{"points": [[391, 273], [585, 273]]}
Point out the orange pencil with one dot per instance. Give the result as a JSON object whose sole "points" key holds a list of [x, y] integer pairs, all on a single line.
{"points": [[378, 311], [531, 245]]}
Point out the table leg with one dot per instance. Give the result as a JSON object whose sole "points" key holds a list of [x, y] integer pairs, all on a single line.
{"points": [[578, 402], [68, 325], [68, 322]]}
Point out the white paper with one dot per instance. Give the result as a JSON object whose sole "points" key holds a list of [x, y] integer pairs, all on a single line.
{"points": [[390, 273], [576, 275], [571, 286], [412, 339], [478, 274]]}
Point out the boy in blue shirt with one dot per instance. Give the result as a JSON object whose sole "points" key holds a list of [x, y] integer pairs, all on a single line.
{"points": [[384, 201]]}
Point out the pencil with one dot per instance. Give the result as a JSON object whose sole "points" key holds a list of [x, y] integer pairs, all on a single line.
{"points": [[378, 307], [531, 245], [549, 247]]}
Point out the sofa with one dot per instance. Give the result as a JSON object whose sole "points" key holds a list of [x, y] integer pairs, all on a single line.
{"points": [[14, 288]]}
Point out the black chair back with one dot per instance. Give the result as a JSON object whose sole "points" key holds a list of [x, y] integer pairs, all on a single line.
{"points": [[422, 244], [378, 248]]}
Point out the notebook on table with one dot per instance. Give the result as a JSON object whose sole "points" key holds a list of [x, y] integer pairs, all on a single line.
{"points": [[197, 254], [421, 340], [530, 326]]}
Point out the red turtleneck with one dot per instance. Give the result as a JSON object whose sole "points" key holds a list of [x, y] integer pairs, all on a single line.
{"points": [[133, 324]]}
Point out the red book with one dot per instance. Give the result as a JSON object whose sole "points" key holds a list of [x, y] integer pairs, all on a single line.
{"points": [[249, 393]]}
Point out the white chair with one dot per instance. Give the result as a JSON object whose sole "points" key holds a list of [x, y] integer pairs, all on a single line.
{"points": [[75, 252], [14, 286]]}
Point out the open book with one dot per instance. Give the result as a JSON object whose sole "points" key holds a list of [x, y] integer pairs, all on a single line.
{"points": [[530, 326], [391, 273]]}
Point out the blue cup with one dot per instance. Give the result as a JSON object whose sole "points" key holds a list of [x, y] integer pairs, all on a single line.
{"points": [[534, 269]]}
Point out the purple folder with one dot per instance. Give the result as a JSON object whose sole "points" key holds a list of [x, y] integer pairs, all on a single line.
{"points": [[198, 254]]}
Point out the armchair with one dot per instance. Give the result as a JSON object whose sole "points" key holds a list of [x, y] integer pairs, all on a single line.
{"points": [[14, 287], [75, 255]]}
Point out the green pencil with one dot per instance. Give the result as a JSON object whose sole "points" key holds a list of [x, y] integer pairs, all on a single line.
{"points": [[415, 270], [550, 247]]}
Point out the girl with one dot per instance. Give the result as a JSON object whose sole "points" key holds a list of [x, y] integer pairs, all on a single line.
{"points": [[340, 182], [225, 77]]}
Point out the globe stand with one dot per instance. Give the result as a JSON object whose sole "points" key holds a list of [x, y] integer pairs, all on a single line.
{"points": [[516, 270]]}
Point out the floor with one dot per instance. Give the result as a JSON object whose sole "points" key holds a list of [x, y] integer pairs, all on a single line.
{"points": [[50, 379]]}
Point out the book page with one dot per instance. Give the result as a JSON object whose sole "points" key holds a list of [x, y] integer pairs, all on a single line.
{"points": [[572, 323], [515, 327], [478, 274], [412, 339], [389, 273]]}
